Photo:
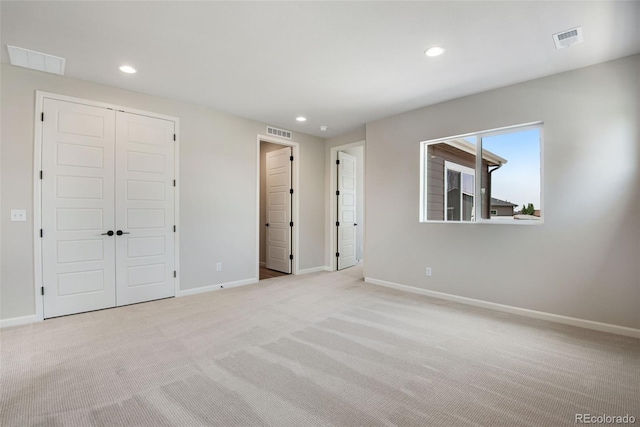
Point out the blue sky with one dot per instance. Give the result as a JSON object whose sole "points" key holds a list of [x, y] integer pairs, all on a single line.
{"points": [[518, 181]]}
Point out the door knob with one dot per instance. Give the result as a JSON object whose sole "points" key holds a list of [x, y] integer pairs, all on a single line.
{"points": [[108, 233], [120, 232], [267, 224]]}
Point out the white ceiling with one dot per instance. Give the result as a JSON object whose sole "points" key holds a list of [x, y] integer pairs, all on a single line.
{"points": [[340, 64]]}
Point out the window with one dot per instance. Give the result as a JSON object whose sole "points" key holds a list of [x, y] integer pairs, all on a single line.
{"points": [[491, 176], [459, 192]]}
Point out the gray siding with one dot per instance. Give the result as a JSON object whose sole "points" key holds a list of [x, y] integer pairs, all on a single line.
{"points": [[436, 156], [503, 210]]}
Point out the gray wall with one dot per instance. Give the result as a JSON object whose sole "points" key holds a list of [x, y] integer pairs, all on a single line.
{"points": [[218, 158], [584, 261]]}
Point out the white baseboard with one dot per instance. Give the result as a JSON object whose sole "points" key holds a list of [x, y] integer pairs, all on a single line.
{"points": [[17, 321], [220, 286], [313, 269], [573, 321]]}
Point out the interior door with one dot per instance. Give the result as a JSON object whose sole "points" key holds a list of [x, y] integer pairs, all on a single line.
{"points": [[78, 254], [346, 210], [279, 210], [144, 208]]}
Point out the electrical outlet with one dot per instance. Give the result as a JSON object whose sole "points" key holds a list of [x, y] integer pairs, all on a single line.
{"points": [[428, 271], [219, 266], [18, 215]]}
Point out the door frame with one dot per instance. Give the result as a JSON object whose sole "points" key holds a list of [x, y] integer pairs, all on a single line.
{"points": [[295, 214], [37, 185], [333, 205]]}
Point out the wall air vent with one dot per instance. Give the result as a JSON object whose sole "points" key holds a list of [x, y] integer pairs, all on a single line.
{"points": [[36, 60], [568, 38], [278, 132]]}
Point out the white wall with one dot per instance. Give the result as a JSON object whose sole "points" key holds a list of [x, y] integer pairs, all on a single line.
{"points": [[584, 261], [217, 186], [358, 153]]}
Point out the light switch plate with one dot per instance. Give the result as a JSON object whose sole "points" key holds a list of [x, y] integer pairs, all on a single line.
{"points": [[18, 215]]}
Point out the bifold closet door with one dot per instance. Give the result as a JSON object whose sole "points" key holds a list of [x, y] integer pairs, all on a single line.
{"points": [[78, 254], [144, 208]]}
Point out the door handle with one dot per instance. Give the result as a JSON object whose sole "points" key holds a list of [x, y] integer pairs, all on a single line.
{"points": [[108, 233], [355, 225], [267, 224], [120, 232]]}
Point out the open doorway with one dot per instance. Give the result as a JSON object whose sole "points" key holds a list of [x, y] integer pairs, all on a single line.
{"points": [[347, 205], [277, 209]]}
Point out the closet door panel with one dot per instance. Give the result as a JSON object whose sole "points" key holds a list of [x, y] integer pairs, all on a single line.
{"points": [[78, 258], [144, 208]]}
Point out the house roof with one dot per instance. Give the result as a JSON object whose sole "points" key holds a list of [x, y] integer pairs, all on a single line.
{"points": [[498, 202], [464, 145]]}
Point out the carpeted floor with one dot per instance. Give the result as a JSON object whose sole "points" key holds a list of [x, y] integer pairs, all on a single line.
{"points": [[316, 350]]}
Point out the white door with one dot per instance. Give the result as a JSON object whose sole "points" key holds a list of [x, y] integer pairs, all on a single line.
{"points": [[279, 210], [78, 265], [346, 254], [144, 208]]}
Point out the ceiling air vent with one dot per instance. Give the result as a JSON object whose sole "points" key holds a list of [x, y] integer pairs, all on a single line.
{"points": [[278, 132], [568, 38], [36, 60]]}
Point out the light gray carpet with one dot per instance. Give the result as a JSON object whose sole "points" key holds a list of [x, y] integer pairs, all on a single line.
{"points": [[316, 350]]}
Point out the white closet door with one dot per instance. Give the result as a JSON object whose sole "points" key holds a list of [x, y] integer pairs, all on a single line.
{"points": [[78, 265], [346, 210], [144, 208], [279, 210]]}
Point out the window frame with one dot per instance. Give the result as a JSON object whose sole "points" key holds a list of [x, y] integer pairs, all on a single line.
{"points": [[423, 212]]}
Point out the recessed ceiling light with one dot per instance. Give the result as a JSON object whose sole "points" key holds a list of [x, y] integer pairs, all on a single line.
{"points": [[323, 128], [301, 119], [434, 51], [128, 69]]}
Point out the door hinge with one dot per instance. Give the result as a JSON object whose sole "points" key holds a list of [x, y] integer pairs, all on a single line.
{"points": [[337, 254], [174, 182], [41, 233], [174, 228], [291, 191], [291, 256], [291, 158], [174, 136], [175, 274], [337, 162], [40, 174], [291, 224], [42, 290], [42, 117], [337, 192], [337, 223]]}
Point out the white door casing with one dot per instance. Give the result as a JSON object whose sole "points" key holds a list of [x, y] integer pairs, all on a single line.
{"points": [[78, 260], [278, 233], [346, 210], [144, 208]]}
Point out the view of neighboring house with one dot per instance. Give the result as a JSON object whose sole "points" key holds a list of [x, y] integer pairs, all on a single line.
{"points": [[451, 180], [502, 207]]}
